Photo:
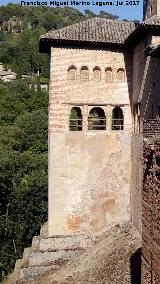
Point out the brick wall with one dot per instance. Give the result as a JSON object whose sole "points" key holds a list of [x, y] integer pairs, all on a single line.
{"points": [[146, 83], [136, 181], [151, 214], [151, 128], [151, 8], [89, 171], [64, 93]]}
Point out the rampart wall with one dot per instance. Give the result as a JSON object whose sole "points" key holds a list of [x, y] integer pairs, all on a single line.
{"points": [[151, 213]]}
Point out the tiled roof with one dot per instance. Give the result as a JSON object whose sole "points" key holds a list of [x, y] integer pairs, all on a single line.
{"points": [[152, 21], [97, 30], [151, 24]]}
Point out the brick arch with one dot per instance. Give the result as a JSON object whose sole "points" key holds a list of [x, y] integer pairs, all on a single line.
{"points": [[109, 74], [97, 73], [117, 118], [96, 119], [84, 73], [121, 74], [75, 119], [71, 72]]}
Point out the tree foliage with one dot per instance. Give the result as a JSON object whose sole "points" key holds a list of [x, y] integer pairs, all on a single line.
{"points": [[23, 168]]}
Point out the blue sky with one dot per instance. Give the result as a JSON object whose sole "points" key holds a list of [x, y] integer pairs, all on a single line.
{"points": [[129, 12]]}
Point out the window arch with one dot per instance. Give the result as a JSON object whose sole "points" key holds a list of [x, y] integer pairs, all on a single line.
{"points": [[109, 76], [84, 73], [71, 75], [75, 121], [96, 119], [97, 73], [120, 74], [117, 119]]}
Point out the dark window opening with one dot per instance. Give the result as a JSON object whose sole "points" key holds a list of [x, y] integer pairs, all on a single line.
{"points": [[117, 119], [97, 119], [75, 119]]}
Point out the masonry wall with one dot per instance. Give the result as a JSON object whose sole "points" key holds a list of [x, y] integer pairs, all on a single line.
{"points": [[136, 181], [64, 94], [151, 213], [151, 8], [146, 83], [89, 171]]}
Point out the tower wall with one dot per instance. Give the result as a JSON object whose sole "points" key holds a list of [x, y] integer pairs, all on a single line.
{"points": [[151, 8], [146, 86], [89, 171]]}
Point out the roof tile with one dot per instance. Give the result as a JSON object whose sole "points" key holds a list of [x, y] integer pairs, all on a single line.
{"points": [[99, 30]]}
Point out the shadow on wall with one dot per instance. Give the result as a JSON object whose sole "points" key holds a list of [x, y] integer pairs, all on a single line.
{"points": [[135, 267]]}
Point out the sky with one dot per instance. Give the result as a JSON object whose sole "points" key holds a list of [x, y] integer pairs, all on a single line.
{"points": [[130, 12]]}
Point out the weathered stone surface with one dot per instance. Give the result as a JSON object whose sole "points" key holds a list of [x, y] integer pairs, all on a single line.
{"points": [[44, 230], [49, 258], [36, 271], [110, 261], [65, 243], [35, 244], [25, 258], [151, 214]]}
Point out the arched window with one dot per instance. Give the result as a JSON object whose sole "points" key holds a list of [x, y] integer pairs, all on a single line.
{"points": [[84, 73], [75, 119], [97, 73], [71, 75], [117, 119], [120, 74], [96, 119], [109, 76]]}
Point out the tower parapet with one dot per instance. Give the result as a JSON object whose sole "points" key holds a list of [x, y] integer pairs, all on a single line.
{"points": [[151, 8]]}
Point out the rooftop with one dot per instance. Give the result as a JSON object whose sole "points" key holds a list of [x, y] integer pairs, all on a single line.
{"points": [[100, 31], [95, 30]]}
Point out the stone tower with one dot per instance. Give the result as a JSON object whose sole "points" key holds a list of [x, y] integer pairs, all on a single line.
{"points": [[90, 126], [151, 8]]}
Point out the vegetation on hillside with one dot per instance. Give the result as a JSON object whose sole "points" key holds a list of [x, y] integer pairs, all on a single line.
{"points": [[21, 28], [23, 168]]}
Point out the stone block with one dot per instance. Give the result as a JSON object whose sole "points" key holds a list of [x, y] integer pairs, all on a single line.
{"points": [[35, 244], [44, 231], [31, 272], [50, 258], [64, 243], [18, 264], [25, 258]]}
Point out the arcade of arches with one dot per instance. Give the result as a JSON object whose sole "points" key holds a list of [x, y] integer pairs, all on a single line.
{"points": [[96, 119]]}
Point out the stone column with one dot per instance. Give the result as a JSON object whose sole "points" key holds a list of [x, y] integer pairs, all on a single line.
{"points": [[85, 118], [109, 109], [127, 118]]}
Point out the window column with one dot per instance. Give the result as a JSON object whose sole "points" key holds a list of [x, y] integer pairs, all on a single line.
{"points": [[85, 118], [127, 118], [109, 109]]}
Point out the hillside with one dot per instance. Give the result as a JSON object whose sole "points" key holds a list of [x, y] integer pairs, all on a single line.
{"points": [[20, 28]]}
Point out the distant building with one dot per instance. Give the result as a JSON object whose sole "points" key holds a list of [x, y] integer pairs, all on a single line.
{"points": [[7, 75]]}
